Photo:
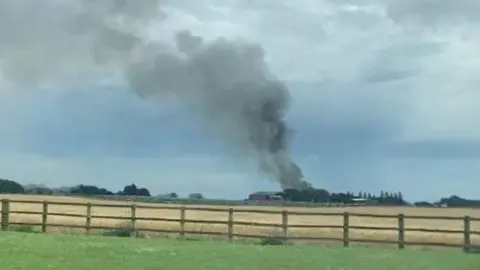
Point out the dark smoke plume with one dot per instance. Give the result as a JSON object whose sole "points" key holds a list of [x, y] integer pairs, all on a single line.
{"points": [[226, 82]]}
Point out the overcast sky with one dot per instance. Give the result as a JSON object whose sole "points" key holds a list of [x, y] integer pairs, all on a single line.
{"points": [[384, 98]]}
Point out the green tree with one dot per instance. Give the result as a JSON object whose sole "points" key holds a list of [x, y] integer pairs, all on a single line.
{"points": [[10, 187], [133, 190]]}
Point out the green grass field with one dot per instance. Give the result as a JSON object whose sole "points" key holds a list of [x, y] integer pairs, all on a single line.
{"points": [[21, 251]]}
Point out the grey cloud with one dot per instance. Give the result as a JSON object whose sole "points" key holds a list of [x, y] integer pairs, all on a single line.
{"points": [[68, 40], [382, 76], [423, 12], [434, 12], [399, 61]]}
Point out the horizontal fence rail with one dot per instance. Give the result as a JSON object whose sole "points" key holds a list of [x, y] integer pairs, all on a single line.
{"points": [[283, 226]]}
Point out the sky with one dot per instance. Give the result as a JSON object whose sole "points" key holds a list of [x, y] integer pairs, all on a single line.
{"points": [[384, 97]]}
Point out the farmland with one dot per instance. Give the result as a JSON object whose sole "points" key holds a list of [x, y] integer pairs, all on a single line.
{"points": [[259, 218], [37, 251]]}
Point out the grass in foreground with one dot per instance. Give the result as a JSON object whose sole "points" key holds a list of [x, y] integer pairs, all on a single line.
{"points": [[21, 251]]}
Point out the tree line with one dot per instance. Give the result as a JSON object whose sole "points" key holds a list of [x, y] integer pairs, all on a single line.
{"points": [[452, 201], [308, 195], [323, 196], [12, 187]]}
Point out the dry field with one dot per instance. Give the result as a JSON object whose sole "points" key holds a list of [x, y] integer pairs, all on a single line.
{"points": [[266, 218]]}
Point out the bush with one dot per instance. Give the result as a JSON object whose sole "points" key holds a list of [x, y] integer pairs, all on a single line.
{"points": [[23, 228], [273, 239], [123, 230]]}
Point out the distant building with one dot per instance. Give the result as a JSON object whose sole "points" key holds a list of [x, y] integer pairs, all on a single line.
{"points": [[265, 196], [363, 201]]}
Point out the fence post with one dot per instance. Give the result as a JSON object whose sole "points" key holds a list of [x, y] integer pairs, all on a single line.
{"points": [[346, 225], [133, 218], [285, 224], [466, 234], [5, 214], [230, 224], [88, 221], [401, 231], [182, 221], [44, 216]]}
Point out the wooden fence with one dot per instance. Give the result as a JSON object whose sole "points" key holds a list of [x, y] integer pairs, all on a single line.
{"points": [[400, 230]]}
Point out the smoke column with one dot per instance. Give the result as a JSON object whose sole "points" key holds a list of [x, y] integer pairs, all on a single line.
{"points": [[225, 82]]}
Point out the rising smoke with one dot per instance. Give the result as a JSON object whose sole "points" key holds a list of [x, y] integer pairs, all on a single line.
{"points": [[226, 82]]}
